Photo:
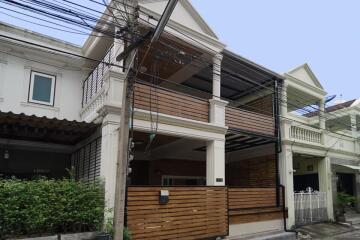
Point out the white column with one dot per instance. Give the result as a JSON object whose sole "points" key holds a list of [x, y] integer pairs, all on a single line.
{"points": [[109, 146], [357, 190], [287, 179], [3, 65], [217, 111], [215, 163], [215, 149], [284, 97], [325, 184], [217, 75], [353, 124], [322, 120], [334, 186]]}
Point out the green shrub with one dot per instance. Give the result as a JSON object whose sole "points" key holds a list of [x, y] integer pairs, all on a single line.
{"points": [[46, 206], [344, 200], [127, 234], [109, 228]]}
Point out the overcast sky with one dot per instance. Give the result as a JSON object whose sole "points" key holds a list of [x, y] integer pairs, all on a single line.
{"points": [[278, 34]]}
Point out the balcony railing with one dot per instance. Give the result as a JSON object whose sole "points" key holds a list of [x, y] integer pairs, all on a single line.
{"points": [[306, 134], [94, 82], [160, 100], [240, 119]]}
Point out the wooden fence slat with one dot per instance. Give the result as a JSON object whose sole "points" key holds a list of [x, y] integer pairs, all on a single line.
{"points": [[191, 213], [240, 198]]}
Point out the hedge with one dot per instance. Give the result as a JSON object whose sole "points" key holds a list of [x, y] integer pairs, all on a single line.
{"points": [[44, 206]]}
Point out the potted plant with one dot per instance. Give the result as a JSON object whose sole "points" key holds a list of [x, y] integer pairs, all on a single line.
{"points": [[108, 232], [126, 234], [343, 200]]}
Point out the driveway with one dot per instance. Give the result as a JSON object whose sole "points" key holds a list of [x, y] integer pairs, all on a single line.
{"points": [[329, 231]]}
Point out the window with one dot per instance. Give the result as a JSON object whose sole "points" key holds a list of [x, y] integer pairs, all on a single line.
{"points": [[42, 88]]}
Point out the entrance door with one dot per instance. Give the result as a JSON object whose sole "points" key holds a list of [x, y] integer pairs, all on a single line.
{"points": [[302, 182], [345, 183]]}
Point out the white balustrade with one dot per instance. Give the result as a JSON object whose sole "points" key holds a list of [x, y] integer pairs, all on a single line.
{"points": [[89, 111], [95, 81], [306, 134]]}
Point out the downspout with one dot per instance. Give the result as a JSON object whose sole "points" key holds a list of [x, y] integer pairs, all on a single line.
{"points": [[278, 139], [279, 150], [284, 211]]}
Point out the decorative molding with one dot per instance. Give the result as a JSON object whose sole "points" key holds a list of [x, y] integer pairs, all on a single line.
{"points": [[94, 105], [181, 122], [3, 61], [318, 149], [218, 102], [42, 70], [308, 70], [211, 41], [109, 108], [297, 81], [27, 104]]}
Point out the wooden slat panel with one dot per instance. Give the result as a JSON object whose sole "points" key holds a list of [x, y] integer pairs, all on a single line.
{"points": [[264, 215], [171, 103], [249, 121], [242, 198], [253, 205], [191, 213]]}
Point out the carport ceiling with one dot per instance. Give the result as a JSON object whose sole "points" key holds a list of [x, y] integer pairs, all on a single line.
{"points": [[238, 141], [43, 129], [142, 140]]}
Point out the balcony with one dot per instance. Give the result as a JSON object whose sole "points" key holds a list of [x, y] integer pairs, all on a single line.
{"points": [[239, 119], [160, 100], [95, 81], [305, 134], [166, 98], [313, 136]]}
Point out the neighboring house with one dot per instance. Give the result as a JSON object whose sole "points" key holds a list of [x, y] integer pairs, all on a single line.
{"points": [[320, 148], [201, 129]]}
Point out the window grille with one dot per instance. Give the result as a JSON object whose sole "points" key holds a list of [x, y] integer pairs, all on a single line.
{"points": [[86, 161]]}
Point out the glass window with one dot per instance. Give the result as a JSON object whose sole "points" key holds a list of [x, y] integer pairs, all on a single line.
{"points": [[42, 88]]}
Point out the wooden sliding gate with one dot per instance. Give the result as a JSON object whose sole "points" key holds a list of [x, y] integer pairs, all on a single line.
{"points": [[191, 213], [253, 205]]}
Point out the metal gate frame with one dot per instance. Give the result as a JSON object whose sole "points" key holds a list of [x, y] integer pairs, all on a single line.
{"points": [[310, 207]]}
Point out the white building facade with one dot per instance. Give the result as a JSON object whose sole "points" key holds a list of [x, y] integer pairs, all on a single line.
{"points": [[320, 145], [196, 123]]}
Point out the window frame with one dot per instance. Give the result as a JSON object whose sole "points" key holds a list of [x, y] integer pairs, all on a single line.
{"points": [[31, 88]]}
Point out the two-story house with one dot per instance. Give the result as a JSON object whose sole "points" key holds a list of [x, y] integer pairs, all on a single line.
{"points": [[205, 125], [320, 154]]}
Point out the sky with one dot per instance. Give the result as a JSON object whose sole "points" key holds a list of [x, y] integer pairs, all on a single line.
{"points": [[278, 34]]}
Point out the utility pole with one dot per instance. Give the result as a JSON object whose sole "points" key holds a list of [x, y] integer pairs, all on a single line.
{"points": [[123, 142], [123, 147]]}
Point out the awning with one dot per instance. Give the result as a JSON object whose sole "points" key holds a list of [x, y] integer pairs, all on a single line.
{"points": [[350, 166], [50, 130]]}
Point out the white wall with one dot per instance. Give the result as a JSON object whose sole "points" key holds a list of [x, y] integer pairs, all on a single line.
{"points": [[14, 84]]}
